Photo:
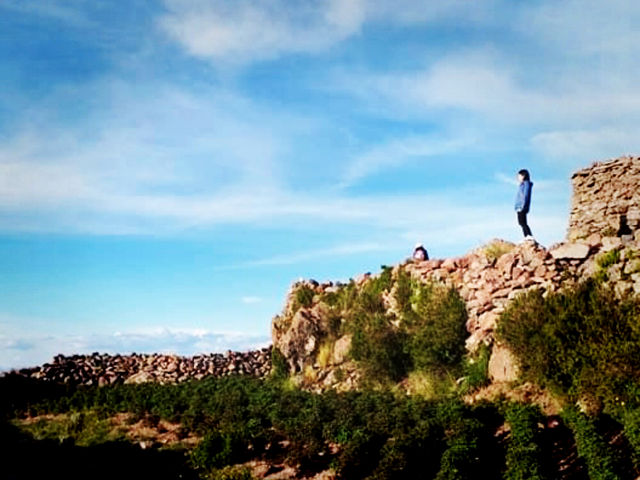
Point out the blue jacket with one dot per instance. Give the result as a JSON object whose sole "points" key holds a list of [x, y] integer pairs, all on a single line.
{"points": [[523, 199]]}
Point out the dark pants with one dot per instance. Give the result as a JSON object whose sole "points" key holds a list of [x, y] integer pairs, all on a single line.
{"points": [[522, 221]]}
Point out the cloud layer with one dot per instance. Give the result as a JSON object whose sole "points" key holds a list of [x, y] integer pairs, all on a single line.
{"points": [[18, 351], [244, 30]]}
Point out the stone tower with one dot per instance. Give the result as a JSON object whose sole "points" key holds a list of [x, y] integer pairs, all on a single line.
{"points": [[606, 199]]}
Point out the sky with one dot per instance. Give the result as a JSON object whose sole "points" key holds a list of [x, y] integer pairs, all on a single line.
{"points": [[169, 168]]}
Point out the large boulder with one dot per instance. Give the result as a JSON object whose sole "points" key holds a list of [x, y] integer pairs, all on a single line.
{"points": [[299, 340], [503, 366], [341, 349]]}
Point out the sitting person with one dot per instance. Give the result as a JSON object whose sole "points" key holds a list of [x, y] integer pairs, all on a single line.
{"points": [[420, 253]]}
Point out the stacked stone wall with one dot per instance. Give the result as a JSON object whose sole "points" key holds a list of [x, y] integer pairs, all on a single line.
{"points": [[606, 199], [103, 369]]}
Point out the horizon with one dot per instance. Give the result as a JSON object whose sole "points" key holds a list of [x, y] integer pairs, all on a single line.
{"points": [[168, 169]]}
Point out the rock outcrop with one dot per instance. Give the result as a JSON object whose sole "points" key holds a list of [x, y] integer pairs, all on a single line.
{"points": [[605, 196], [487, 279]]}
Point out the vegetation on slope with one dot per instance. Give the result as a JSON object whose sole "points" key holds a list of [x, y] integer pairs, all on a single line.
{"points": [[401, 329], [581, 343]]}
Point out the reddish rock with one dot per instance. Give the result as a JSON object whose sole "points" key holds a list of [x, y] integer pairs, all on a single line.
{"points": [[432, 264], [449, 265], [594, 240], [540, 272]]}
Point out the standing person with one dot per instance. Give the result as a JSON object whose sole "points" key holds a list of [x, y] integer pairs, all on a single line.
{"points": [[523, 202]]}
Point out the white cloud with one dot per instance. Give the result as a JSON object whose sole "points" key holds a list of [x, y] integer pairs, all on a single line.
{"points": [[24, 350], [483, 83], [67, 11], [244, 30], [507, 179], [250, 300], [164, 154], [308, 255], [596, 144], [398, 152], [584, 27]]}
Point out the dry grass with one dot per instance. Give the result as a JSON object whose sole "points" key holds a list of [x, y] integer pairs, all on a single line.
{"points": [[496, 248], [324, 354]]}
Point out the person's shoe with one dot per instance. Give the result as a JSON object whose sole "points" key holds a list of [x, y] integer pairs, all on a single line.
{"points": [[530, 238]]}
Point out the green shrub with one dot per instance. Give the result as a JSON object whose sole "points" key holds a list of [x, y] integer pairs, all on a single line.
{"points": [[429, 335], [459, 461], [220, 448], [437, 327], [476, 369], [471, 448], [403, 292], [580, 342], [604, 261], [609, 258], [631, 422], [279, 366], [591, 446], [231, 473], [304, 296], [379, 348], [523, 456]]}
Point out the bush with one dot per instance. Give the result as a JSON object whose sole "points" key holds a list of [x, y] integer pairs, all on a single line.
{"points": [[279, 366], [403, 292], [231, 473], [582, 342], [218, 449], [437, 328], [523, 456], [380, 348], [304, 296], [476, 369], [631, 422], [471, 448], [591, 446], [460, 459], [428, 336]]}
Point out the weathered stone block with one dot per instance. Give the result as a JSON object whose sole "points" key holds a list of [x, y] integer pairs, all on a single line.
{"points": [[578, 251], [503, 366]]}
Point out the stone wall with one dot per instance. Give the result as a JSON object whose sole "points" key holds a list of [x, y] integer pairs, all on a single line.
{"points": [[103, 369], [606, 199]]}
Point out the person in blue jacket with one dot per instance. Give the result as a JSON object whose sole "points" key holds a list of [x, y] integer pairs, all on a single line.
{"points": [[523, 202]]}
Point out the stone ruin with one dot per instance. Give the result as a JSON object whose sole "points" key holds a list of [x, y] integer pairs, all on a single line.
{"points": [[605, 217], [606, 199]]}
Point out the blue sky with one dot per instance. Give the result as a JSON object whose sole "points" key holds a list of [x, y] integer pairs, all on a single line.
{"points": [[168, 168]]}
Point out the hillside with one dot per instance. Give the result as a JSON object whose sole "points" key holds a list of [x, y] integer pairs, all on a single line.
{"points": [[316, 329], [512, 362]]}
